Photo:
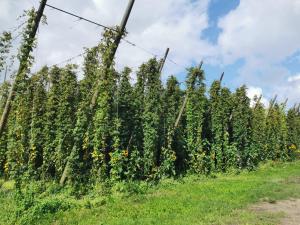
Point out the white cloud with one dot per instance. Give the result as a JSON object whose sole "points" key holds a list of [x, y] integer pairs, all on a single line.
{"points": [[262, 29], [256, 91], [294, 78], [154, 25], [264, 34]]}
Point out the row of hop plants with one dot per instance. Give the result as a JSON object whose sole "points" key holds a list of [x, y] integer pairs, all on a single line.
{"points": [[129, 132]]}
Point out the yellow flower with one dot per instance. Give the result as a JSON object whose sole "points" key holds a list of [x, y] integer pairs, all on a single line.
{"points": [[94, 155], [173, 157], [6, 167], [292, 147], [125, 153]]}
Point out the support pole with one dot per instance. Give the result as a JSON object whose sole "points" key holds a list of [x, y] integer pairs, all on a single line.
{"points": [[163, 61], [114, 48], [221, 78], [258, 102], [22, 67], [5, 74], [272, 102], [183, 105]]}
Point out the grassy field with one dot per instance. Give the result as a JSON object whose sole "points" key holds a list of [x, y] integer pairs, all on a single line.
{"points": [[223, 199]]}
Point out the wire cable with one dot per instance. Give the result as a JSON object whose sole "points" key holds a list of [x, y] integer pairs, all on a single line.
{"points": [[81, 18]]}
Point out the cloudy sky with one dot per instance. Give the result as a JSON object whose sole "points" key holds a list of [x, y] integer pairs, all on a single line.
{"points": [[255, 42]]}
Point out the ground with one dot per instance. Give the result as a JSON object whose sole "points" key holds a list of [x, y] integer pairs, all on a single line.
{"points": [[269, 195], [289, 208]]}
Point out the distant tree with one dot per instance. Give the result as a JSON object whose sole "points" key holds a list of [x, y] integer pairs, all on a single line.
{"points": [[241, 132], [38, 118], [4, 91], [258, 138], [173, 143], [195, 118], [151, 115]]}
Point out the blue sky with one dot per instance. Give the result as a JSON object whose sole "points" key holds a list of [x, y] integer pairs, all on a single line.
{"points": [[254, 42], [216, 10]]}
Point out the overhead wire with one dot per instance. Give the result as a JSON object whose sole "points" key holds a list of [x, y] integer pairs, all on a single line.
{"points": [[81, 18], [106, 27]]}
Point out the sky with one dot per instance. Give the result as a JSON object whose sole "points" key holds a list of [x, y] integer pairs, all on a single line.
{"points": [[255, 42]]}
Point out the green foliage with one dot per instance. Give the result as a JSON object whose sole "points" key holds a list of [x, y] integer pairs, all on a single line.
{"points": [[151, 115], [241, 131], [276, 133], [172, 154], [102, 123], [37, 125], [293, 126], [4, 91], [195, 119], [67, 104], [258, 139], [223, 150], [105, 128], [5, 45]]}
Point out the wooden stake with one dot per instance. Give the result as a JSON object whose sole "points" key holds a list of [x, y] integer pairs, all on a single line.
{"points": [[163, 61], [183, 105], [258, 101], [114, 48], [22, 67], [5, 74], [221, 78]]}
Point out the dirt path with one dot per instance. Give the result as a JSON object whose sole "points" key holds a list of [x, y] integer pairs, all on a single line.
{"points": [[291, 209]]}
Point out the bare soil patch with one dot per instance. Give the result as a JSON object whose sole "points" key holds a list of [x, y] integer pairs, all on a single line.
{"points": [[290, 208]]}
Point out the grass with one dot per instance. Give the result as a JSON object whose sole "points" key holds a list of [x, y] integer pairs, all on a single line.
{"points": [[191, 200]]}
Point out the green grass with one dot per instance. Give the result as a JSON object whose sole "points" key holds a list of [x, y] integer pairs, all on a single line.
{"points": [[191, 200]]}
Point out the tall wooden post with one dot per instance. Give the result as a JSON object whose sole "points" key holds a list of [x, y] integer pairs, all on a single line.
{"points": [[22, 67], [5, 74], [183, 105], [114, 48], [163, 61], [221, 78]]}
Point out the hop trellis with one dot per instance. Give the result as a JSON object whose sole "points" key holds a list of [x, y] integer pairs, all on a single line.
{"points": [[130, 133]]}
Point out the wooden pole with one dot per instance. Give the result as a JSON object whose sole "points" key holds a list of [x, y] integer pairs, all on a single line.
{"points": [[272, 102], [258, 102], [22, 67], [183, 105], [221, 78], [5, 74], [163, 61], [111, 58], [114, 48]]}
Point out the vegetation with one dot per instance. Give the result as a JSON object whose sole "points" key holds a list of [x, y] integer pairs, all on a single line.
{"points": [[128, 132], [188, 200]]}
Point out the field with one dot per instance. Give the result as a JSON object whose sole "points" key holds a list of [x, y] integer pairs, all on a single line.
{"points": [[218, 199]]}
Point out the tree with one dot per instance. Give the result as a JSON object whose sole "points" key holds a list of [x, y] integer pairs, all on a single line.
{"points": [[241, 132], [4, 90], [258, 138], [220, 110], [38, 119], [52, 111], [173, 149], [151, 116], [5, 45], [65, 120], [276, 133], [195, 118], [103, 117], [293, 126]]}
